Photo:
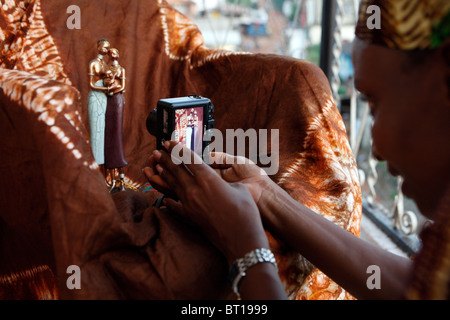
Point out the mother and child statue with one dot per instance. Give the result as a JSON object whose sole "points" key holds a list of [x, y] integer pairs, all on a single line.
{"points": [[105, 111]]}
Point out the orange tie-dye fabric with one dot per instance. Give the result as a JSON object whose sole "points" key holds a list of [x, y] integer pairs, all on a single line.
{"points": [[56, 210]]}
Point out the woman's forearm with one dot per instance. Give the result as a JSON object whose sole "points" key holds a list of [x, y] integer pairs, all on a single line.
{"points": [[342, 256], [94, 87]]}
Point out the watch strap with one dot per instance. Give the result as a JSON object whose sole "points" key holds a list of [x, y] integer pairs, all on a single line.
{"points": [[240, 266]]}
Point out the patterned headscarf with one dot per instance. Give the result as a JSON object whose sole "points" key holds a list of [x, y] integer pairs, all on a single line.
{"points": [[405, 24]]}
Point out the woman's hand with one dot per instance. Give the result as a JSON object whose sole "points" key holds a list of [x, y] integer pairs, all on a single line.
{"points": [[156, 181], [225, 212], [114, 87], [232, 169], [240, 169]]}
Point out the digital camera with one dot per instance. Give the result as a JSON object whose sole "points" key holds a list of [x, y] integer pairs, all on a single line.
{"points": [[184, 119]]}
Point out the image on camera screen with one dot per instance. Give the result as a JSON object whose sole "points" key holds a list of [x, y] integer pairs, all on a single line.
{"points": [[189, 128]]}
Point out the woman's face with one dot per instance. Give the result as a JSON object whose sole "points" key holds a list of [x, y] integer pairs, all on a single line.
{"points": [[113, 54], [411, 114]]}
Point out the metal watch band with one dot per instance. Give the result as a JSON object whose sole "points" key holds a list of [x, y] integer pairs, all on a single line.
{"points": [[240, 266]]}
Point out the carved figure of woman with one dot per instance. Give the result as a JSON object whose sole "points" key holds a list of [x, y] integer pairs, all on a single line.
{"points": [[114, 151]]}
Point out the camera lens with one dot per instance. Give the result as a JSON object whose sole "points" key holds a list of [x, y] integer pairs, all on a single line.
{"points": [[152, 123]]}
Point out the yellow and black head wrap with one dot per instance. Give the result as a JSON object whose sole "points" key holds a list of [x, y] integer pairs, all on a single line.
{"points": [[405, 24]]}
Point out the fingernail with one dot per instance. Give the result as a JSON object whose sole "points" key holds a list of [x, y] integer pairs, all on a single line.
{"points": [[157, 154], [159, 168], [167, 144]]}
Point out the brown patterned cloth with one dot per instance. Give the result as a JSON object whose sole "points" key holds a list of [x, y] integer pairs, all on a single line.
{"points": [[54, 200]]}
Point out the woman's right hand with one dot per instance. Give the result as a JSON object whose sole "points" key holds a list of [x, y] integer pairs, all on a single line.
{"points": [[240, 169]]}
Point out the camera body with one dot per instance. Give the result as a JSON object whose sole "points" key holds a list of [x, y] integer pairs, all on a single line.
{"points": [[182, 119]]}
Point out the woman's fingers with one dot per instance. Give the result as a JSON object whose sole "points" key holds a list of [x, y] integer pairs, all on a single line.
{"points": [[171, 180], [192, 161], [221, 160], [174, 206], [155, 179], [175, 175], [157, 182]]}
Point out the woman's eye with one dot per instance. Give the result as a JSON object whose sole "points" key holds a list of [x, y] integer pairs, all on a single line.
{"points": [[369, 101]]}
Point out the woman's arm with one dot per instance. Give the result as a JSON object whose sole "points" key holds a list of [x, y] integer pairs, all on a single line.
{"points": [[342, 256], [339, 254], [94, 72]]}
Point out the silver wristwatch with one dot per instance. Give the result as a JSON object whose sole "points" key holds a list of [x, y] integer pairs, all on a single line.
{"points": [[240, 266]]}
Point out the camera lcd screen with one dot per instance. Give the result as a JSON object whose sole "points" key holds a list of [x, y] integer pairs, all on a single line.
{"points": [[189, 128]]}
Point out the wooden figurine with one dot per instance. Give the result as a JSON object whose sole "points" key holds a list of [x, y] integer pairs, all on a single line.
{"points": [[114, 151], [105, 111], [97, 101]]}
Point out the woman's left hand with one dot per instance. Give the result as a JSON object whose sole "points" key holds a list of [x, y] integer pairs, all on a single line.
{"points": [[225, 212]]}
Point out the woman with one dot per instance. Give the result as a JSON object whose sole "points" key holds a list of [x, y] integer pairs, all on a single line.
{"points": [[114, 152], [402, 69]]}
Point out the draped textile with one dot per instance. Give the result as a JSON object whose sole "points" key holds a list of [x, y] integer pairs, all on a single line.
{"points": [[56, 210]]}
